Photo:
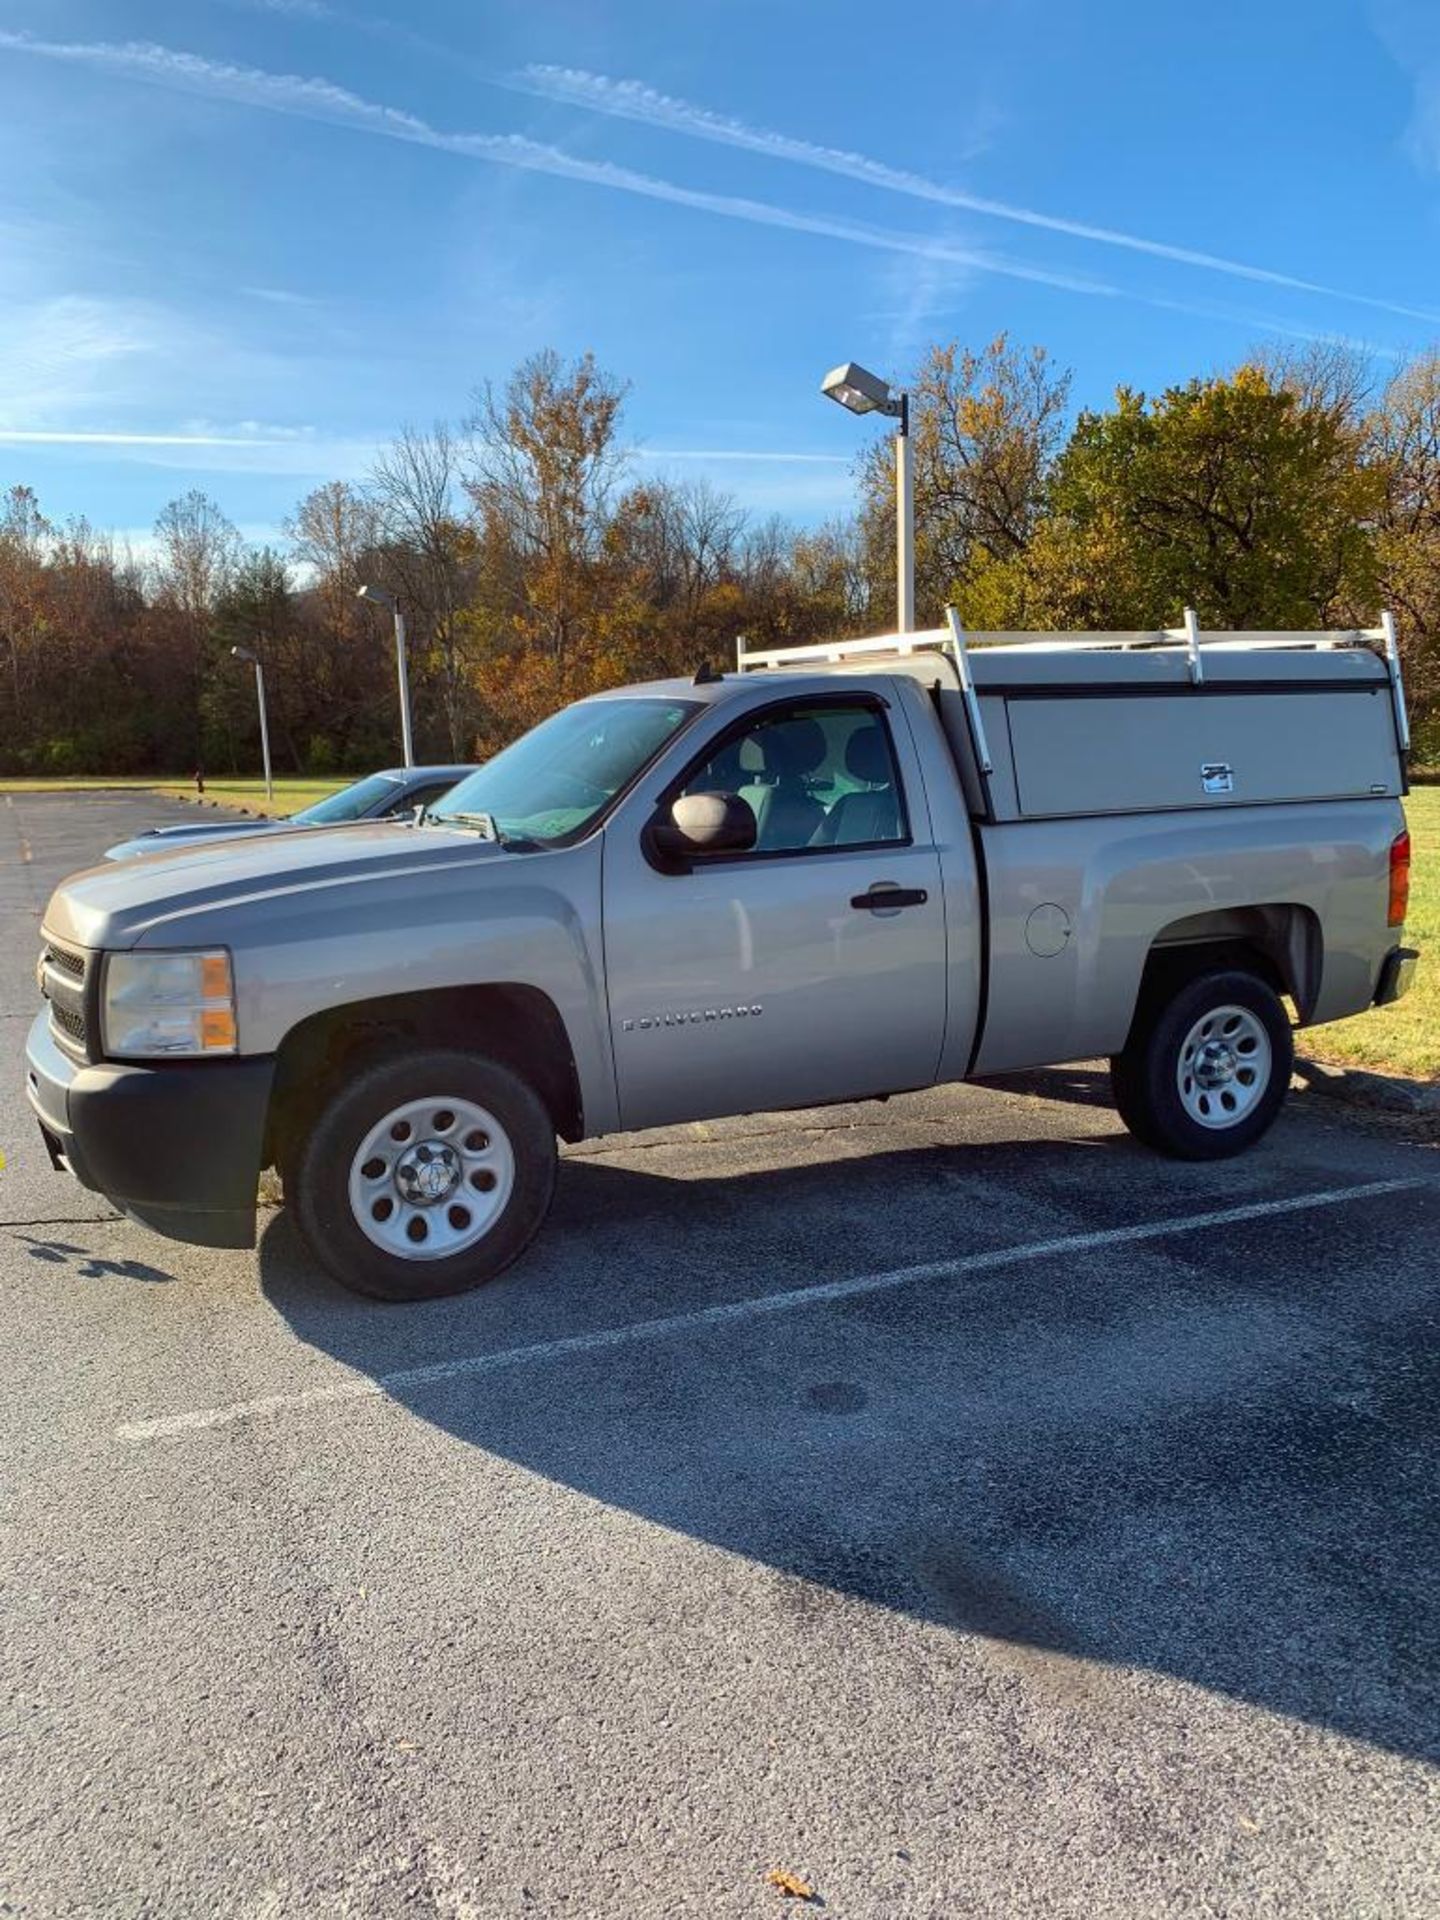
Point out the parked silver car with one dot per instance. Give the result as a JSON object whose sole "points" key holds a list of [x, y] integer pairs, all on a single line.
{"points": [[379, 796]]}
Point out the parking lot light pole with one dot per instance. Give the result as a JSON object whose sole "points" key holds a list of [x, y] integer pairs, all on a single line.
{"points": [[244, 653], [859, 391], [379, 597]]}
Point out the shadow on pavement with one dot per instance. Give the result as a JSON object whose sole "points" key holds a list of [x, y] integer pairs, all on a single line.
{"points": [[1078, 1086], [1205, 1457], [86, 1265]]}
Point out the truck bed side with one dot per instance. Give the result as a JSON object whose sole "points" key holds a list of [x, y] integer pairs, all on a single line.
{"points": [[1078, 908]]}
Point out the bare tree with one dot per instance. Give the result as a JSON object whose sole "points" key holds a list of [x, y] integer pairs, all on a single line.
{"points": [[24, 537], [1404, 441], [331, 531], [428, 553], [1329, 378], [199, 551]]}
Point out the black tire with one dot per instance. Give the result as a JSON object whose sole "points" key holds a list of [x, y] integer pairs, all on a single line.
{"points": [[1147, 1081], [319, 1186]]}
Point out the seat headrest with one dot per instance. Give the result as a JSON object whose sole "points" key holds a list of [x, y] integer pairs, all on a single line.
{"points": [[793, 747], [867, 756], [726, 771]]}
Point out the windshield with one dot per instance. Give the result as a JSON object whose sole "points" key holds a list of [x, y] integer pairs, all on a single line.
{"points": [[558, 778], [351, 803]]}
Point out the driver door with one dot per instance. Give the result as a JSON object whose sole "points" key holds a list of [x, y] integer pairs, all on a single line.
{"points": [[784, 976]]}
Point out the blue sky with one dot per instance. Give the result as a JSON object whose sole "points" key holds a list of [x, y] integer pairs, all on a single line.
{"points": [[243, 241]]}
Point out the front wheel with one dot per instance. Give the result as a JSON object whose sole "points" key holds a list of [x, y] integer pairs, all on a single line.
{"points": [[1204, 1073], [425, 1175]]}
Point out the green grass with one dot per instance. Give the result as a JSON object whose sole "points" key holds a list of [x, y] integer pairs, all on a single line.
{"points": [[1404, 1038], [249, 794], [290, 795], [38, 783]]}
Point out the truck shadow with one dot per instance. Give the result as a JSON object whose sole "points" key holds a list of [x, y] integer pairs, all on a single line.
{"points": [[1079, 1086], [1193, 1458]]}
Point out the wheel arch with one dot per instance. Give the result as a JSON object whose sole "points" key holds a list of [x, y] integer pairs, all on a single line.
{"points": [[513, 1023], [1281, 941]]}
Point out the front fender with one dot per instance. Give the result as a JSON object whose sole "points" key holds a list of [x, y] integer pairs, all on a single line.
{"points": [[531, 919]]}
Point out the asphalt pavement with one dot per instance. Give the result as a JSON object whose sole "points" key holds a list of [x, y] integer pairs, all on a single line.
{"points": [[943, 1501]]}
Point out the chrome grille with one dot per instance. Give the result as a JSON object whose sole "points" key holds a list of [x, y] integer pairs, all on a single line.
{"points": [[62, 982]]}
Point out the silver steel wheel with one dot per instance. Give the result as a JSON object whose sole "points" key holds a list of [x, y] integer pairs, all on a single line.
{"points": [[431, 1178], [1224, 1066]]}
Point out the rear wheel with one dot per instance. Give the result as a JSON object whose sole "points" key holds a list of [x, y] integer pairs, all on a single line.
{"points": [[425, 1175], [1205, 1071]]}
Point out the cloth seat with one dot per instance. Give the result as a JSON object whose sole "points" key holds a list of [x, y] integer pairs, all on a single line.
{"points": [[787, 814], [871, 812]]}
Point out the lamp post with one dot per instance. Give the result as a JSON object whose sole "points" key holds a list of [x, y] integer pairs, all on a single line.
{"points": [[244, 653], [859, 391], [379, 597]]}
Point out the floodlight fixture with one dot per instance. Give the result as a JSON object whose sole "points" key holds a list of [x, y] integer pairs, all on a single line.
{"points": [[859, 391]]}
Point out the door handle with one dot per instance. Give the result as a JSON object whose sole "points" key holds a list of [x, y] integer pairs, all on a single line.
{"points": [[883, 899]]}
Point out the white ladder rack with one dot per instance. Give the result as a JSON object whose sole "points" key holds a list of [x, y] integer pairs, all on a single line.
{"points": [[953, 641]]}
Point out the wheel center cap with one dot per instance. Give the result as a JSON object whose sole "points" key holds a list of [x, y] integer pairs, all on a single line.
{"points": [[427, 1172], [1217, 1064]]}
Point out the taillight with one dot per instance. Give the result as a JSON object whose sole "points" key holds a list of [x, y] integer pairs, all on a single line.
{"points": [[1399, 880]]}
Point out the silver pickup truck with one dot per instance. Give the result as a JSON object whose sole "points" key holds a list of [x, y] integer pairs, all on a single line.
{"points": [[830, 873]]}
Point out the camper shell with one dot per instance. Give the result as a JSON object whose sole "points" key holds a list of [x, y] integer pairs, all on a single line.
{"points": [[1053, 727]]}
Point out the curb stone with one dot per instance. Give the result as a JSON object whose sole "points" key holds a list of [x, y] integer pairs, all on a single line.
{"points": [[1382, 1091]]}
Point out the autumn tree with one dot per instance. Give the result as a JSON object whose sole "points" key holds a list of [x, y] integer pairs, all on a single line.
{"points": [[1230, 495], [984, 428], [544, 458]]}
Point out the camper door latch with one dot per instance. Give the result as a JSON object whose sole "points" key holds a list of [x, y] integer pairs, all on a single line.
{"points": [[1217, 776]]}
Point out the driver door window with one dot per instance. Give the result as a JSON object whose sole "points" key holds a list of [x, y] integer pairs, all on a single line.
{"points": [[814, 777]]}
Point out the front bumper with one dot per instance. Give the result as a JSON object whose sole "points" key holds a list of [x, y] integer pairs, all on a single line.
{"points": [[178, 1146]]}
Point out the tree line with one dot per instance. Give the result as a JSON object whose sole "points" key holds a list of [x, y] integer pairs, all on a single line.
{"points": [[1297, 490]]}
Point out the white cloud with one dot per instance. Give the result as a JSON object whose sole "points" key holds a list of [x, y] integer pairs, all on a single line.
{"points": [[299, 453], [42, 437], [319, 99], [633, 100], [58, 352]]}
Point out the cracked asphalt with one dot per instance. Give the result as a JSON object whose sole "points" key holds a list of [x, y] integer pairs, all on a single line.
{"points": [[944, 1501]]}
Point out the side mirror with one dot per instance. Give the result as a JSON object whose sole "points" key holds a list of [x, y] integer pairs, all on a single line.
{"points": [[703, 823]]}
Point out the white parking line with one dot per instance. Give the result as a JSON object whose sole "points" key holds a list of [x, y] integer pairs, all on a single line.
{"points": [[359, 1388]]}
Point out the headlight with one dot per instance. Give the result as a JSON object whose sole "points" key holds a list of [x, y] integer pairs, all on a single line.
{"points": [[165, 1003]]}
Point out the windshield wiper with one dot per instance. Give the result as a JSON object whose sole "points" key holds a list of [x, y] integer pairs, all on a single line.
{"points": [[486, 823], [488, 827]]}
